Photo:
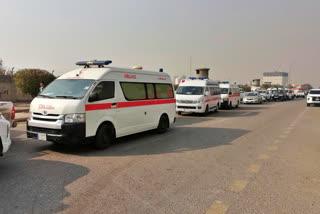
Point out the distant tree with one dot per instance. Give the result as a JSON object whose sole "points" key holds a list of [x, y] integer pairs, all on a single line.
{"points": [[306, 86], [265, 85], [245, 87], [2, 70], [290, 86], [176, 86], [28, 80], [276, 86]]}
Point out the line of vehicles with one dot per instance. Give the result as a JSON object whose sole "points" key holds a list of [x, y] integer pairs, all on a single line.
{"points": [[99, 103]]}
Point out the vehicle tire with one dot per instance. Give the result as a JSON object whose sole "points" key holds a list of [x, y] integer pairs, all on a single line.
{"points": [[308, 104], [237, 106], [217, 108], [206, 112], [163, 124], [230, 105], [179, 112], [104, 137]]}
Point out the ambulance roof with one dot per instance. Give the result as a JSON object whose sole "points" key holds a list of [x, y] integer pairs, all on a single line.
{"points": [[97, 73], [228, 85], [197, 82]]}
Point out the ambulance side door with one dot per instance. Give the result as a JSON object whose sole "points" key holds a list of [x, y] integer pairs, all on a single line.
{"points": [[100, 106]]}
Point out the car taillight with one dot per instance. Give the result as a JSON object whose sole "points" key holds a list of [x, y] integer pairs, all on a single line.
{"points": [[13, 114]]}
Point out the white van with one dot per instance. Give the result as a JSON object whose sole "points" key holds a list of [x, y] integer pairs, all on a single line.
{"points": [[230, 95], [99, 104], [198, 95]]}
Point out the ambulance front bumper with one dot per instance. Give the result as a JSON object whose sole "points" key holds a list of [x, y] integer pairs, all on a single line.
{"points": [[67, 134], [196, 108]]}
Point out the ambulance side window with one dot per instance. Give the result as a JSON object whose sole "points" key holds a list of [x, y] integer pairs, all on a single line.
{"points": [[164, 91], [134, 91], [104, 90]]}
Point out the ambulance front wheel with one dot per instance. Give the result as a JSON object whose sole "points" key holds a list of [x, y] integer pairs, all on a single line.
{"points": [[104, 137]]}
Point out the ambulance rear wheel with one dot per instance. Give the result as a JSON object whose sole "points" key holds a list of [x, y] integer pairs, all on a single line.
{"points": [[104, 137], [163, 124]]}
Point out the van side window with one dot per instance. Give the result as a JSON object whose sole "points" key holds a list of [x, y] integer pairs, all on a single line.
{"points": [[164, 91], [133, 91], [104, 90], [217, 91], [212, 90], [150, 91]]}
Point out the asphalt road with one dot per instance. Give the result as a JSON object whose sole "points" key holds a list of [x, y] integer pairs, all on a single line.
{"points": [[255, 159]]}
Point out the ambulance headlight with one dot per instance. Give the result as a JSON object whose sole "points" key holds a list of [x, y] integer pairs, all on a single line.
{"points": [[200, 100], [75, 118]]}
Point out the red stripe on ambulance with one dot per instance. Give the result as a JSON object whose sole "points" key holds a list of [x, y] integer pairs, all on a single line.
{"points": [[103, 106], [218, 98]]}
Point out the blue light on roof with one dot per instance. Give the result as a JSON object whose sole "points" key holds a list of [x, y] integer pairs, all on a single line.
{"points": [[100, 63], [225, 82], [192, 78], [203, 78]]}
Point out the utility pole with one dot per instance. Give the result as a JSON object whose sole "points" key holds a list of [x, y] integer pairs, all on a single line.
{"points": [[190, 66]]}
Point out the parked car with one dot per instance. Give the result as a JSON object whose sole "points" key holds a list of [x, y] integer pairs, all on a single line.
{"points": [[8, 112], [99, 103], [274, 94], [241, 94], [5, 140], [299, 92], [313, 97], [252, 97], [290, 94], [265, 95], [282, 94]]}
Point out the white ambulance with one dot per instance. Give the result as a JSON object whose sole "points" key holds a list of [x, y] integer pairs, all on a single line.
{"points": [[198, 95], [98, 104], [230, 95]]}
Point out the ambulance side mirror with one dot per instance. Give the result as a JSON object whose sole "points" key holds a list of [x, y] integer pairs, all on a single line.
{"points": [[206, 93], [230, 93]]}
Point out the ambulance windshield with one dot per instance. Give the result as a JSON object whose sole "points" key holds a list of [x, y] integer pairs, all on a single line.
{"points": [[190, 90], [224, 90], [67, 88]]}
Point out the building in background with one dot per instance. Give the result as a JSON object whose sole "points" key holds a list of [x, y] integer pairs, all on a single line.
{"points": [[255, 84], [202, 72], [275, 78]]}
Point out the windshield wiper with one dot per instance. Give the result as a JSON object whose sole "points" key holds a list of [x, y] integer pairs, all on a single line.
{"points": [[67, 97], [45, 96]]}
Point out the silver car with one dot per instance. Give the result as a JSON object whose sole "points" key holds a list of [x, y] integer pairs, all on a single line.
{"points": [[5, 141], [252, 97]]}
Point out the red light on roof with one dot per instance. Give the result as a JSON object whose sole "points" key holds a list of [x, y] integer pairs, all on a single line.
{"points": [[182, 81]]}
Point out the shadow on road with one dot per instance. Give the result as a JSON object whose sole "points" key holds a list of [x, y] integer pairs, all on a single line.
{"points": [[34, 186], [178, 139]]}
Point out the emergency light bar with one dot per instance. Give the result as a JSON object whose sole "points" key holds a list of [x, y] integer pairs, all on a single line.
{"points": [[99, 63], [192, 78], [225, 82], [203, 78]]}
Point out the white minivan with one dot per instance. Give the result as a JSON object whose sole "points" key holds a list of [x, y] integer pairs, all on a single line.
{"points": [[198, 96], [99, 104], [230, 95]]}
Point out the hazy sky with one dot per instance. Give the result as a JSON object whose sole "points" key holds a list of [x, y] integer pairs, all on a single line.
{"points": [[238, 40]]}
